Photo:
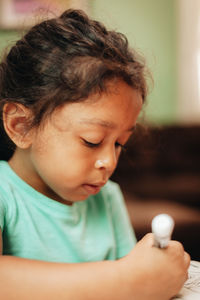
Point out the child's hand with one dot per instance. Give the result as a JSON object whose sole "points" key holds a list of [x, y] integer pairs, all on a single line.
{"points": [[152, 273]]}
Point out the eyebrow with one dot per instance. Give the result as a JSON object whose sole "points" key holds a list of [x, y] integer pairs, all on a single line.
{"points": [[103, 123]]}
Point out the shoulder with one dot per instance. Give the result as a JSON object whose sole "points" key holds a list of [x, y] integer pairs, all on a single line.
{"points": [[108, 203], [4, 177], [6, 186], [111, 189], [111, 193], [5, 190]]}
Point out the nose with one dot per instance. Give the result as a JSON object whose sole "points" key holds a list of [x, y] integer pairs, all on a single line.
{"points": [[108, 161]]}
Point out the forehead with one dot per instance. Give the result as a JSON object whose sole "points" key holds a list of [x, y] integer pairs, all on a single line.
{"points": [[119, 107]]}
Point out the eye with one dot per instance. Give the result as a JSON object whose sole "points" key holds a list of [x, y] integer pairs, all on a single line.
{"points": [[91, 145]]}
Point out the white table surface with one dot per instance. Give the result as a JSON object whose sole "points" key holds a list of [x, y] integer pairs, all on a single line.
{"points": [[191, 288]]}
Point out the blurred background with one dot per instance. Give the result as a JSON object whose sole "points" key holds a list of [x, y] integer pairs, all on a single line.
{"points": [[161, 170]]}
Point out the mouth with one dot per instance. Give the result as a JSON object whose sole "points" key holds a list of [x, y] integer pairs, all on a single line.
{"points": [[93, 188]]}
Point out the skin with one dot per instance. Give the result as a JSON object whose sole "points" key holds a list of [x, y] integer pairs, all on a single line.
{"points": [[59, 159]]}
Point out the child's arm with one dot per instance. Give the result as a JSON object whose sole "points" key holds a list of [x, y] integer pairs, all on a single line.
{"points": [[146, 273]]}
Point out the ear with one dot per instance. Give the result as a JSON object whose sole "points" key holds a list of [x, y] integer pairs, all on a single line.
{"points": [[16, 120]]}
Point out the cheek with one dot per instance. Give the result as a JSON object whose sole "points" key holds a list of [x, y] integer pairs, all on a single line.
{"points": [[55, 159]]}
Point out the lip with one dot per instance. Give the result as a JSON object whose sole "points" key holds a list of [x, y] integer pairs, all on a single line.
{"points": [[93, 188]]}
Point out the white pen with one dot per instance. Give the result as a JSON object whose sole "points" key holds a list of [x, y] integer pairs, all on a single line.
{"points": [[162, 227]]}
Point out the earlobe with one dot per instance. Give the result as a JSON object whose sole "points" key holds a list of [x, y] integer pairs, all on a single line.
{"points": [[16, 120]]}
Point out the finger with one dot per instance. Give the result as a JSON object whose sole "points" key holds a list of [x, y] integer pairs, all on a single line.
{"points": [[187, 260], [176, 246], [148, 239]]}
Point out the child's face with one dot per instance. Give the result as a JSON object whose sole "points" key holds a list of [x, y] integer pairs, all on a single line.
{"points": [[75, 152]]}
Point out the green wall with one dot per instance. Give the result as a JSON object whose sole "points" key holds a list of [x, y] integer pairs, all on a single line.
{"points": [[7, 38], [150, 28]]}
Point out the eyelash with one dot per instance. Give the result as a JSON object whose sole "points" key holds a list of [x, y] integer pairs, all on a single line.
{"points": [[92, 145]]}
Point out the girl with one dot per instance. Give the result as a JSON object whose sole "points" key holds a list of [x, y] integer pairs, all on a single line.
{"points": [[70, 94]]}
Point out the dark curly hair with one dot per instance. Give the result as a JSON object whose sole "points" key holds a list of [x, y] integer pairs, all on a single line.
{"points": [[65, 59]]}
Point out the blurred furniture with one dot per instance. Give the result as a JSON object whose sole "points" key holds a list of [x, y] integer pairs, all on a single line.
{"points": [[160, 173]]}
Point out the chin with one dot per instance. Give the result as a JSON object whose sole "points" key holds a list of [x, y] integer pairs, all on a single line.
{"points": [[71, 200], [81, 198]]}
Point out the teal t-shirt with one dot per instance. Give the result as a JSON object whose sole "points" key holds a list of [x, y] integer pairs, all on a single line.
{"points": [[37, 227]]}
